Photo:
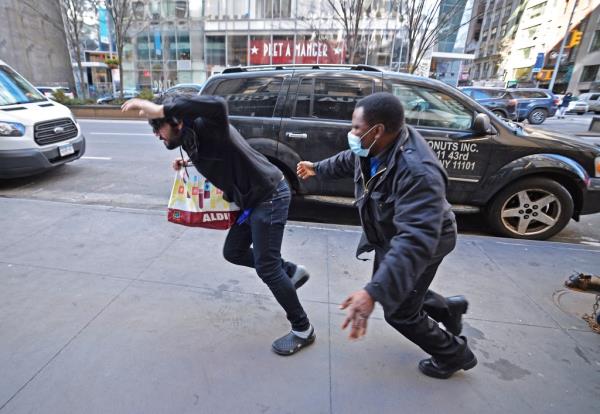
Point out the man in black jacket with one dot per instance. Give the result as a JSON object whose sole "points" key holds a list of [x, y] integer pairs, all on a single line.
{"points": [[201, 126], [400, 192]]}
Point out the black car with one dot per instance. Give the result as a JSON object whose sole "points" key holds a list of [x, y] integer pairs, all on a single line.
{"points": [[186, 89], [497, 100], [529, 183]]}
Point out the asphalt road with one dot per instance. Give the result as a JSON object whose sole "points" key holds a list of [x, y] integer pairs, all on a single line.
{"points": [[126, 166]]}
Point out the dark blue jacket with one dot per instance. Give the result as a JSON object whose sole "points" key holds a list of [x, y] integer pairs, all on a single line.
{"points": [[403, 210], [566, 100]]}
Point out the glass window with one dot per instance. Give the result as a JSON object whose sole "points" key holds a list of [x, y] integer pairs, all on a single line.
{"points": [[595, 44], [215, 50], [15, 90], [143, 53], [250, 96], [589, 73], [537, 10], [332, 99], [430, 108], [487, 93], [273, 8], [237, 50], [183, 44], [529, 95]]}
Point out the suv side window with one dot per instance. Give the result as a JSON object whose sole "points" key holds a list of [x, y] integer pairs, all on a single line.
{"points": [[250, 96], [332, 98], [425, 107], [529, 95]]}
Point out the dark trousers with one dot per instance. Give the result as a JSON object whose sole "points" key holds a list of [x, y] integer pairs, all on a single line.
{"points": [[412, 317], [263, 230]]}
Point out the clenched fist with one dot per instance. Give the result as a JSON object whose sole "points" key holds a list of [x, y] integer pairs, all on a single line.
{"points": [[305, 170]]}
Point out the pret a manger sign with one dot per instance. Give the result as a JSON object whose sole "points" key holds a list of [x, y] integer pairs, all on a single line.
{"points": [[283, 52]]}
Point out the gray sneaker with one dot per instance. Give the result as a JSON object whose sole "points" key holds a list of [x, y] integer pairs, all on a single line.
{"points": [[300, 276]]}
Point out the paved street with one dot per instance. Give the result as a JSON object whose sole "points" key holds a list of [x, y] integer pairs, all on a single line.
{"points": [[105, 307], [126, 166]]}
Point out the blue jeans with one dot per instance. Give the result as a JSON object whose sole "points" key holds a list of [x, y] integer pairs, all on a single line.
{"points": [[263, 230]]}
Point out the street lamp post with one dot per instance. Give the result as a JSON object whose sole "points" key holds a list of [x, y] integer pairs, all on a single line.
{"points": [[562, 48]]}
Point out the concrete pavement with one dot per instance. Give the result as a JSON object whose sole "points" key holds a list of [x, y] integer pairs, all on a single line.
{"points": [[114, 310]]}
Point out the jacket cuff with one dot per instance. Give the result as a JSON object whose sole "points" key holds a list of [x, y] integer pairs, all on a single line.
{"points": [[374, 290], [316, 166]]}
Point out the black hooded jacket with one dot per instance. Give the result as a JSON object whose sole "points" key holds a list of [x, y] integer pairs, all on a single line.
{"points": [[220, 153]]}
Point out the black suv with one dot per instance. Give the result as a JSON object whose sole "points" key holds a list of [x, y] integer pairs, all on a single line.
{"points": [[528, 182]]}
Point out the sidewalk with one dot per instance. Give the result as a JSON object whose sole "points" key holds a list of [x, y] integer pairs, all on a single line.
{"points": [[107, 310]]}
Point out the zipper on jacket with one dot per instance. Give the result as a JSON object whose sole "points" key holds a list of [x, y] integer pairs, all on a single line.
{"points": [[366, 186]]}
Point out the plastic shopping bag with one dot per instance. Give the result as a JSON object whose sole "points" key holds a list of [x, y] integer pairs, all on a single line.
{"points": [[196, 202]]}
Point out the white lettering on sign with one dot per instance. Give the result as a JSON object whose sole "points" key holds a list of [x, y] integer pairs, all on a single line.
{"points": [[215, 217], [455, 155]]}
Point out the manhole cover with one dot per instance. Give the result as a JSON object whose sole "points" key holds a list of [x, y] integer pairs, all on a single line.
{"points": [[573, 303]]}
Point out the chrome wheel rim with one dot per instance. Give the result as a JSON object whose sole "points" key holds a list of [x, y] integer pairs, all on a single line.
{"points": [[537, 116], [531, 212]]}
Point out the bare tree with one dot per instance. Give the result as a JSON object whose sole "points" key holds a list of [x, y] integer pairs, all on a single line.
{"points": [[73, 12], [122, 16], [425, 24], [349, 14]]}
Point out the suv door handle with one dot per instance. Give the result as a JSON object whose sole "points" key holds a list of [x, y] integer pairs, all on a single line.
{"points": [[296, 135]]}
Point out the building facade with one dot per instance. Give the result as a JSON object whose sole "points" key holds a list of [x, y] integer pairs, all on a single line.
{"points": [[516, 42], [33, 42], [181, 41]]}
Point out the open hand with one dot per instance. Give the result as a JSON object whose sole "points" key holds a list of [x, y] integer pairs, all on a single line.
{"points": [[360, 306], [305, 170]]}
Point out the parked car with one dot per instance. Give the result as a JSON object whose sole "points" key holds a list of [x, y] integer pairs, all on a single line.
{"points": [[189, 89], [127, 94], [48, 91], [36, 134], [578, 107], [534, 105], [528, 183], [593, 101], [497, 100]]}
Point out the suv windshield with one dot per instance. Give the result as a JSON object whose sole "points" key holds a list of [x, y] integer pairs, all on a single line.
{"points": [[16, 90]]}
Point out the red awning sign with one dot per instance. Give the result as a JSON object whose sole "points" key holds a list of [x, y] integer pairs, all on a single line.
{"points": [[280, 52]]}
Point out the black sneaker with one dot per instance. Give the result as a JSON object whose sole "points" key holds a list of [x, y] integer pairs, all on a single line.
{"points": [[300, 276], [290, 344]]}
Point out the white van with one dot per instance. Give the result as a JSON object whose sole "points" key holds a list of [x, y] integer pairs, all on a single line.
{"points": [[36, 133]]}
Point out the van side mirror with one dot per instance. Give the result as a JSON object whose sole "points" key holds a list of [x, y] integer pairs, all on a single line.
{"points": [[482, 125]]}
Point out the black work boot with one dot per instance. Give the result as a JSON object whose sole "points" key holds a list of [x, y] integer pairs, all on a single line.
{"points": [[445, 369], [457, 307]]}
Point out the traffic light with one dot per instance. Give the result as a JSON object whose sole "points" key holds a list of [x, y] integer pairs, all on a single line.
{"points": [[576, 36], [544, 75]]}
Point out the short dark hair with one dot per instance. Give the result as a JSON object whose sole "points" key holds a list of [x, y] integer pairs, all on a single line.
{"points": [[156, 123], [382, 108]]}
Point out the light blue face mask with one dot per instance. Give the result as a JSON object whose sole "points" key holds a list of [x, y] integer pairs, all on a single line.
{"points": [[354, 143]]}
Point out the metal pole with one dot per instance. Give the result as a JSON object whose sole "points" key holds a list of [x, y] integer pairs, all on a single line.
{"points": [[562, 48]]}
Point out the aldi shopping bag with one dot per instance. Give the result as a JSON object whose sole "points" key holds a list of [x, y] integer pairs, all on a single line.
{"points": [[196, 202]]}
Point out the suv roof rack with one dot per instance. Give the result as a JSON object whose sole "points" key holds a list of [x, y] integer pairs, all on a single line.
{"points": [[238, 69]]}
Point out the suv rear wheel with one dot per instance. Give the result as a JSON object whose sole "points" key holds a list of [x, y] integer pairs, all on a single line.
{"points": [[537, 116], [499, 113], [534, 208]]}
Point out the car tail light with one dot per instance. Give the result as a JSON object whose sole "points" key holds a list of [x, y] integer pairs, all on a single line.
{"points": [[597, 166], [556, 100], [512, 102]]}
